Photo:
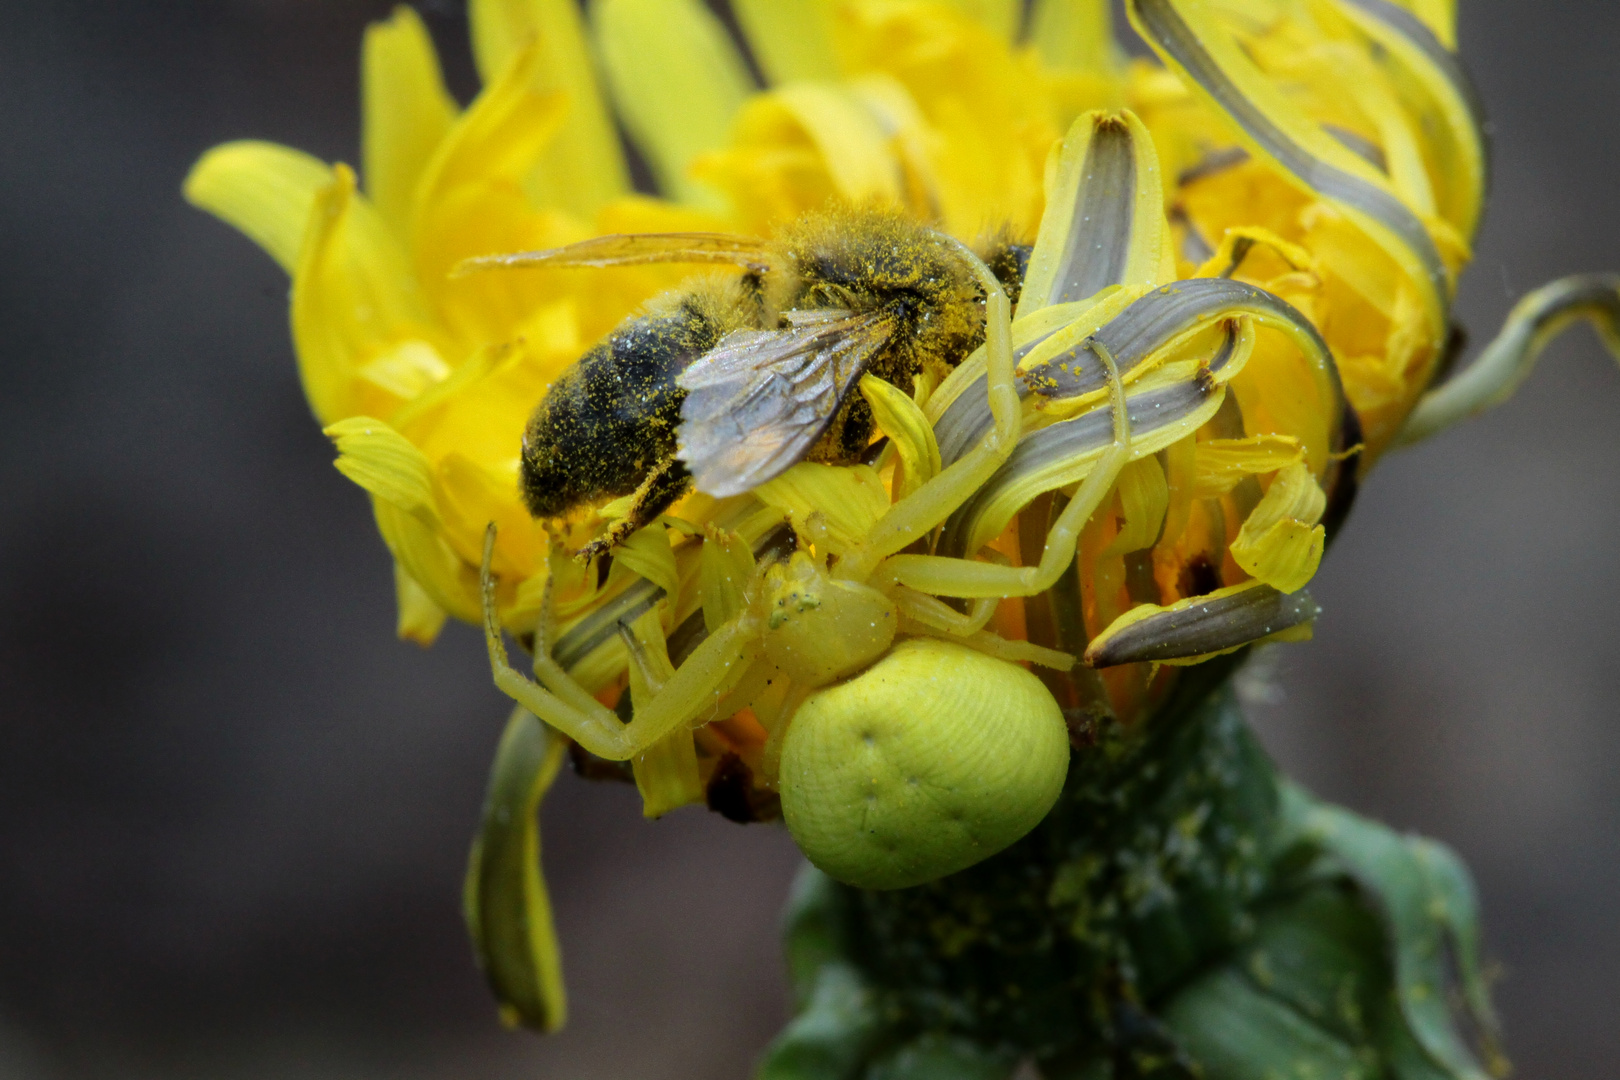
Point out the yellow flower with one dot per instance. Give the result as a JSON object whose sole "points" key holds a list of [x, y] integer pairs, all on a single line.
{"points": [[1249, 249]]}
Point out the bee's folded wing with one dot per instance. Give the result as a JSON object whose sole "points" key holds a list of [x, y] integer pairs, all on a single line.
{"points": [[758, 401], [634, 249]]}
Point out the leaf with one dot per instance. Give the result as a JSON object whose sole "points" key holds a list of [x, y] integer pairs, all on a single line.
{"points": [[1423, 905], [505, 903]]}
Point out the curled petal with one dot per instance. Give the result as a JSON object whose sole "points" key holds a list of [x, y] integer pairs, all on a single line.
{"points": [[505, 902], [582, 168], [1104, 222], [1190, 40], [1199, 627], [1507, 361], [263, 189]]}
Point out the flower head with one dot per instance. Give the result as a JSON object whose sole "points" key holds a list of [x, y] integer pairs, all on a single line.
{"points": [[1239, 267]]}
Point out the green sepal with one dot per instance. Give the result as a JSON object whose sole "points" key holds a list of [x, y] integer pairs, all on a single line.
{"points": [[1237, 1032], [834, 1034], [815, 930], [1426, 903], [934, 1056], [505, 903]]}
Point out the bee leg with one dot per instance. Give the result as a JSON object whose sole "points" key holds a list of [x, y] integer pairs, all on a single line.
{"points": [[913, 516], [667, 482]]}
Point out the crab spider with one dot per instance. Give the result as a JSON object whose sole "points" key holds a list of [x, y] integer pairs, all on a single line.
{"points": [[819, 627]]}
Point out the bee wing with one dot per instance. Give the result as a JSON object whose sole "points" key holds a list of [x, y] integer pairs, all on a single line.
{"points": [[634, 249], [758, 401]]}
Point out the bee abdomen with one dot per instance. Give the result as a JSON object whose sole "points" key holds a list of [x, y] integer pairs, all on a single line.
{"points": [[609, 420]]}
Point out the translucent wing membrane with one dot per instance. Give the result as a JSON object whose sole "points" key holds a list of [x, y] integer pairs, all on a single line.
{"points": [[760, 399], [634, 249]]}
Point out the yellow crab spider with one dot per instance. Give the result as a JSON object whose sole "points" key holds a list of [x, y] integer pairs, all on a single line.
{"points": [[898, 762]]}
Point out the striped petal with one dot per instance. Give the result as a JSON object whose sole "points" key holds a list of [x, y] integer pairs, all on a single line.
{"points": [[1191, 41], [1195, 629], [1104, 220]]}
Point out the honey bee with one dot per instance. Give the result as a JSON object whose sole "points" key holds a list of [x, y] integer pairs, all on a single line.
{"points": [[731, 381]]}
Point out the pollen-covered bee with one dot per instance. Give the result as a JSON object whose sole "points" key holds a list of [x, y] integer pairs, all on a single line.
{"points": [[730, 382]]}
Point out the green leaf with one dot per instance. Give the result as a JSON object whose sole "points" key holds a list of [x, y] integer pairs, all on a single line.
{"points": [[505, 902], [814, 929], [1424, 900], [941, 1057], [832, 1037], [1238, 1032]]}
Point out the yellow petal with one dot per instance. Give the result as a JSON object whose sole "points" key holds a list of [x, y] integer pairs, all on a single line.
{"points": [[1075, 35], [1224, 462], [828, 502], [1440, 16], [1001, 16], [470, 201], [726, 566], [1143, 498], [667, 775], [353, 300], [385, 463], [791, 39], [855, 148], [471, 496], [908, 430], [1192, 41], [987, 135], [678, 82], [400, 481], [583, 167], [405, 112], [263, 189], [648, 554], [420, 549], [420, 619], [1280, 542]]}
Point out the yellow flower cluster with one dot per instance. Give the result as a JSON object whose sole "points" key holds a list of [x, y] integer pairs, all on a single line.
{"points": [[1240, 264], [930, 107], [1325, 155]]}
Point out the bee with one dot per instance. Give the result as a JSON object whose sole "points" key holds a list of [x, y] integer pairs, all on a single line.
{"points": [[731, 381]]}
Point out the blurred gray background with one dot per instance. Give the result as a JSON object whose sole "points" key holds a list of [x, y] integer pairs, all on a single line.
{"points": [[234, 810]]}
